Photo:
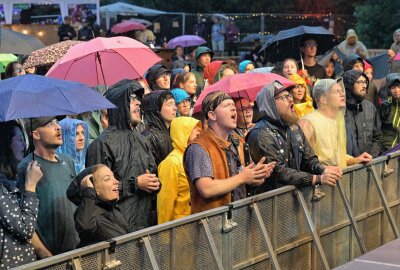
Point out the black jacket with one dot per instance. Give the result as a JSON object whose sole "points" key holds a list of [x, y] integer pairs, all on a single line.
{"points": [[63, 31], [156, 133], [126, 153], [363, 124], [97, 220], [296, 162]]}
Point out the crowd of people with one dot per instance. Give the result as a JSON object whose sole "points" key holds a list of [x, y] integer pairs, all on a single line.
{"points": [[91, 177]]}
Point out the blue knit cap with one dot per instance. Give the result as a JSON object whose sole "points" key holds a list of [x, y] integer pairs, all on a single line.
{"points": [[243, 65], [179, 95]]}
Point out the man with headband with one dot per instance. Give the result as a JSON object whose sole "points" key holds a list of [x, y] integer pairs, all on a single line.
{"points": [[329, 119], [214, 161], [278, 137]]}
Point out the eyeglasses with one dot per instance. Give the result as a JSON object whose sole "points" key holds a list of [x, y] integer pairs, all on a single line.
{"points": [[245, 109], [361, 82], [309, 45], [285, 97]]}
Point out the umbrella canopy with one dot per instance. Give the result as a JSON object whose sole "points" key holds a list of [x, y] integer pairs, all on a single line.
{"points": [[31, 96], [104, 61], [127, 26], [245, 85], [185, 41], [142, 21], [287, 43], [219, 16], [253, 37], [5, 59], [18, 43], [49, 54]]}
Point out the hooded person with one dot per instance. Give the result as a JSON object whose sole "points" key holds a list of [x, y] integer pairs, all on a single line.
{"points": [[353, 62], [277, 137], [159, 77], [183, 102], [363, 123], [159, 110], [330, 97], [211, 70], [303, 103], [203, 56], [372, 92], [98, 217], [351, 45], [390, 113], [75, 141], [123, 149], [246, 66], [173, 200]]}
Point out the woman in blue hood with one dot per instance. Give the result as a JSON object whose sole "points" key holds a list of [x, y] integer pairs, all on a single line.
{"points": [[75, 135]]}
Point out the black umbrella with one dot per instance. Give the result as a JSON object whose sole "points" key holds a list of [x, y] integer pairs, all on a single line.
{"points": [[287, 43]]}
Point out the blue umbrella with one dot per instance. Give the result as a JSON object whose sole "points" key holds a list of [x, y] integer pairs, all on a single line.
{"points": [[254, 36], [32, 96], [287, 42]]}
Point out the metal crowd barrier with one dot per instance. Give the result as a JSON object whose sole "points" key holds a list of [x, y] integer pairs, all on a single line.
{"points": [[281, 229]]}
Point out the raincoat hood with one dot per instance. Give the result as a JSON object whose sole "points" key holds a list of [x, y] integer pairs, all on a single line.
{"points": [[151, 106], [202, 50], [349, 78], [390, 80], [266, 105], [297, 79], [154, 72], [68, 147], [181, 128], [306, 104], [349, 61], [243, 65], [211, 70], [119, 94]]}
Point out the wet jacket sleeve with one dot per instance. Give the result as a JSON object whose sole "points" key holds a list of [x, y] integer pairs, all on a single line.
{"points": [[265, 145], [168, 172], [18, 220], [85, 217]]}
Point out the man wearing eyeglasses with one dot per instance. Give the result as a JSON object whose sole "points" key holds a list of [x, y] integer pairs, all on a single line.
{"points": [[278, 137], [310, 67], [363, 124]]}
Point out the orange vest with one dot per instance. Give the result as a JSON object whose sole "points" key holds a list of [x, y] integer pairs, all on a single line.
{"points": [[215, 147]]}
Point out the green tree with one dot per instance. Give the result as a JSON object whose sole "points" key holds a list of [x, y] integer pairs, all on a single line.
{"points": [[376, 22]]}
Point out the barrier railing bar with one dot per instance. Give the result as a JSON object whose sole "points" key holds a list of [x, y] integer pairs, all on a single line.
{"points": [[172, 247], [314, 234], [353, 222], [378, 183], [274, 239], [211, 244], [316, 208], [227, 227], [351, 240], [150, 253], [265, 237]]}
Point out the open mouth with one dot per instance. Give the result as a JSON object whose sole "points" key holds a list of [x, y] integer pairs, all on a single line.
{"points": [[233, 116]]}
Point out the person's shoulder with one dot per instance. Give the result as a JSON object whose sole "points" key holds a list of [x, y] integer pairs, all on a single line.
{"points": [[24, 163], [368, 105]]}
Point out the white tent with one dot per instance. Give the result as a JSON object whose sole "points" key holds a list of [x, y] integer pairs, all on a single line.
{"points": [[8, 6], [120, 8]]}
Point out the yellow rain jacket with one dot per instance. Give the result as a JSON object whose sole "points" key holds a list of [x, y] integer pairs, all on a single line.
{"points": [[306, 105], [173, 200]]}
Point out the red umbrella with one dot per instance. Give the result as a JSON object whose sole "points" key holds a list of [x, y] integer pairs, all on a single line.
{"points": [[245, 85], [127, 26], [104, 61]]}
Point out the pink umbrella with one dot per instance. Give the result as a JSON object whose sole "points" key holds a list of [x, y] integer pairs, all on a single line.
{"points": [[397, 57], [244, 85], [104, 61], [127, 26]]}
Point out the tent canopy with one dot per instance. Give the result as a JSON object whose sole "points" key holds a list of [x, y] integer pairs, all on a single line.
{"points": [[123, 8]]}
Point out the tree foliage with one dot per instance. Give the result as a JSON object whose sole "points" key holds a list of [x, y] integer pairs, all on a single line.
{"points": [[376, 22]]}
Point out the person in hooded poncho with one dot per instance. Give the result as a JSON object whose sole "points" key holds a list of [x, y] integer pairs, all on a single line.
{"points": [[75, 141], [330, 97], [173, 200], [277, 137], [159, 110], [303, 103], [123, 149]]}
